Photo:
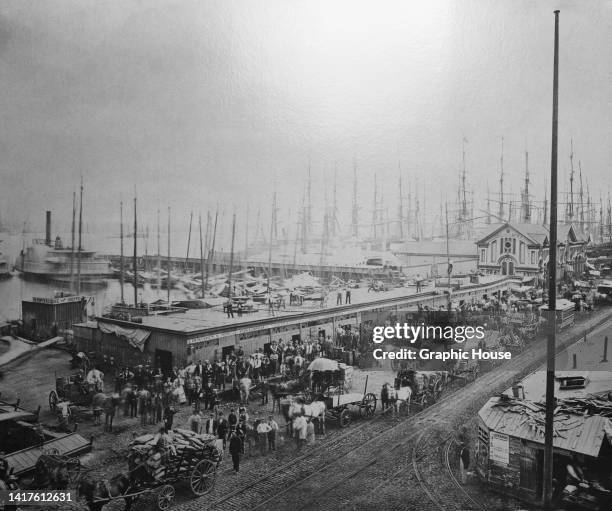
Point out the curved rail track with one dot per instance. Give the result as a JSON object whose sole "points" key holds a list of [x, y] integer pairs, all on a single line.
{"points": [[370, 455]]}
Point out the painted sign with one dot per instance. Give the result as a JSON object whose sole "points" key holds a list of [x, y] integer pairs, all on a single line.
{"points": [[499, 448]]}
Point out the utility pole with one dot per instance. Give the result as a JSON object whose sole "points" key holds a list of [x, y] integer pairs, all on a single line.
{"points": [[158, 253], [581, 198], [401, 203], [552, 288]]}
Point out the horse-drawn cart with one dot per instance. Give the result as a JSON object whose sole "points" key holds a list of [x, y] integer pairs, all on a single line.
{"points": [[426, 386], [156, 464], [339, 406]]}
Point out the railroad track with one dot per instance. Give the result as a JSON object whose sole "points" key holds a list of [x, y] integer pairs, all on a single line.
{"points": [[436, 477], [369, 456]]}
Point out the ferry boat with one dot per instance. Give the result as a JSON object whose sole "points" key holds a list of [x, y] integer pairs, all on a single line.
{"points": [[48, 260]]}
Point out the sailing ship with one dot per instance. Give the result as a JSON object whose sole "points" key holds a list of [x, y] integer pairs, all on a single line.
{"points": [[4, 266], [50, 260]]}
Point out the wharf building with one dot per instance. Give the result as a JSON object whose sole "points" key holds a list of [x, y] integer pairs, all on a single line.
{"points": [[522, 250], [178, 339]]}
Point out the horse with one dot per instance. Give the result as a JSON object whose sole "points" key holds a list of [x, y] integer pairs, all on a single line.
{"points": [[315, 410], [244, 384], [107, 403], [400, 398], [51, 472], [98, 493]]}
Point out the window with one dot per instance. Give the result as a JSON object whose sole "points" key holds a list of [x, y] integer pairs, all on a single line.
{"points": [[483, 255], [533, 256], [493, 250], [514, 246], [522, 253]]}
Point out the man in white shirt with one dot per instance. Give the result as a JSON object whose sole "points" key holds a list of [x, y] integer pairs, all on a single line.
{"points": [[262, 436], [272, 433]]}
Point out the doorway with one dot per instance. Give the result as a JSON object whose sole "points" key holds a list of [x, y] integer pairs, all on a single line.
{"points": [[163, 360]]}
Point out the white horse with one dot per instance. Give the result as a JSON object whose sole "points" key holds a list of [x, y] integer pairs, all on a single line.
{"points": [[315, 410], [400, 398], [244, 384]]}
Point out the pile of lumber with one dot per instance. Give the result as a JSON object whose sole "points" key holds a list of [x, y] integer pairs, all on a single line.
{"points": [[171, 454]]}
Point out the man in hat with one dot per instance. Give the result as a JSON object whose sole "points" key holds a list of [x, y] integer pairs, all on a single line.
{"points": [[272, 433], [235, 449], [263, 428]]}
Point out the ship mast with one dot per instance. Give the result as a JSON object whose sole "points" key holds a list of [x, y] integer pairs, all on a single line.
{"points": [[570, 205], [401, 202], [121, 267], [158, 253], [169, 277], [188, 240], [526, 206], [211, 254], [72, 244], [501, 183], [80, 240], [355, 215], [135, 256], [231, 266], [201, 253], [581, 198]]}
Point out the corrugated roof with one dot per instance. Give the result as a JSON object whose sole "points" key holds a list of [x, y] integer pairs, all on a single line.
{"points": [[578, 434]]}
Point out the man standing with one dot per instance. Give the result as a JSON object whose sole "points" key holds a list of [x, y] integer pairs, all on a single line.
{"points": [[222, 428], [262, 436], [347, 296], [235, 448], [194, 422], [272, 433], [168, 418], [339, 297]]}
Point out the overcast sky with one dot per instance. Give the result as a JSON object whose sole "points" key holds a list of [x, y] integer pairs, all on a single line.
{"points": [[200, 101]]}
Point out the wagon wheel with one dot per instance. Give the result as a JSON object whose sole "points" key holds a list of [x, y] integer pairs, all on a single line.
{"points": [[368, 404], [165, 497], [53, 400], [345, 418], [203, 478]]}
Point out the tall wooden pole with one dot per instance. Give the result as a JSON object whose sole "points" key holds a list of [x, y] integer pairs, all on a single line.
{"points": [[448, 263], [135, 256], [121, 268], [80, 240], [552, 289]]}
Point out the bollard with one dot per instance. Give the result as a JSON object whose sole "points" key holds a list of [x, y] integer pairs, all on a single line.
{"points": [[605, 357], [574, 361]]}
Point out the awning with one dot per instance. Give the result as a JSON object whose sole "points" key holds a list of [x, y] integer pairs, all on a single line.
{"points": [[135, 336]]}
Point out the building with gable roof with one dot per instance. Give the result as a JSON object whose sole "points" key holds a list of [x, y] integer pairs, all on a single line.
{"points": [[522, 250]]}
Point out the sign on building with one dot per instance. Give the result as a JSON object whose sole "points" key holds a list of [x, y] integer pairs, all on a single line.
{"points": [[499, 448]]}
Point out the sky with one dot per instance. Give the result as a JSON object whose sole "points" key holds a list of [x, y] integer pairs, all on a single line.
{"points": [[199, 103]]}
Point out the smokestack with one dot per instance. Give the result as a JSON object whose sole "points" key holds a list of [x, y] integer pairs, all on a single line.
{"points": [[48, 229]]}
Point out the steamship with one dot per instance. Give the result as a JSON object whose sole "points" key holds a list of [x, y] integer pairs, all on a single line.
{"points": [[50, 260]]}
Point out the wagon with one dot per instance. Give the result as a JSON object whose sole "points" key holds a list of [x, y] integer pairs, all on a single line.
{"points": [[426, 385], [340, 406], [70, 389], [196, 466]]}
